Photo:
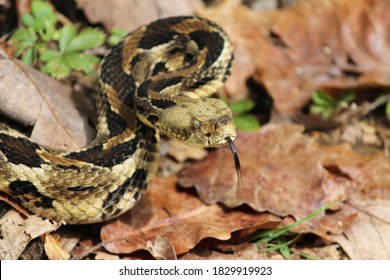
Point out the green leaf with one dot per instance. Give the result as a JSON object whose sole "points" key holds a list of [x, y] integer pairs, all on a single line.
{"points": [[323, 111], [19, 34], [268, 235], [116, 34], [32, 35], [24, 34], [57, 68], [308, 256], [47, 32], [28, 19], [29, 56], [67, 34], [246, 122], [22, 46], [45, 17], [285, 251], [41, 9], [23, 40], [81, 61], [49, 54], [43, 20], [242, 106], [322, 98], [87, 39], [118, 31]]}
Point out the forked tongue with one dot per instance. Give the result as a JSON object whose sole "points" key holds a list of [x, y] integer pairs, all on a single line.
{"points": [[236, 161]]}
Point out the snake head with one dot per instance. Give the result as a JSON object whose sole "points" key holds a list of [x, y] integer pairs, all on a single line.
{"points": [[203, 122]]}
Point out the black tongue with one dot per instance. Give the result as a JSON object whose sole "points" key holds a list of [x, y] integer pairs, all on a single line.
{"points": [[236, 159]]}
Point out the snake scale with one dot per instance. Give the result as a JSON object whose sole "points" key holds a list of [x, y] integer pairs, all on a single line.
{"points": [[158, 78]]}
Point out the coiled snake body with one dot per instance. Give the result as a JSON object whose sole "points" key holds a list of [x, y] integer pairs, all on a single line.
{"points": [[155, 79]]}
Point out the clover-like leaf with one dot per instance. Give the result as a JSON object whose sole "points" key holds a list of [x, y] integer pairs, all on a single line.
{"points": [[67, 33], [87, 39], [49, 54], [57, 68], [81, 61], [23, 39], [41, 9], [29, 56]]}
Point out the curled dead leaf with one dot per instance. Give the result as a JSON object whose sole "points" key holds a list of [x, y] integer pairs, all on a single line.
{"points": [[54, 248]]}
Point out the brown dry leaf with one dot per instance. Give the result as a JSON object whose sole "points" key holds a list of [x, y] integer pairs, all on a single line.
{"points": [[281, 170], [131, 14], [314, 44], [369, 235], [162, 249], [54, 248], [17, 232], [369, 168], [178, 217], [70, 237], [33, 98]]}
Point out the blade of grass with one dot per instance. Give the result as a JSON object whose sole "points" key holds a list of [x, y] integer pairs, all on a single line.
{"points": [[271, 234]]}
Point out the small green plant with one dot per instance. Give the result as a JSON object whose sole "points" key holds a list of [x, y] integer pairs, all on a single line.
{"points": [[243, 119], [325, 105], [116, 34], [58, 51], [280, 239]]}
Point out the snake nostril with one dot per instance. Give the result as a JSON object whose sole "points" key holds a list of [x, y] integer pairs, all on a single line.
{"points": [[208, 134]]}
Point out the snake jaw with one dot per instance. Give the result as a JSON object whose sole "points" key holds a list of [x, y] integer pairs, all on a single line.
{"points": [[220, 142]]}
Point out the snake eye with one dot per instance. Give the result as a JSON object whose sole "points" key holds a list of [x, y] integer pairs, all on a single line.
{"points": [[196, 124]]}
